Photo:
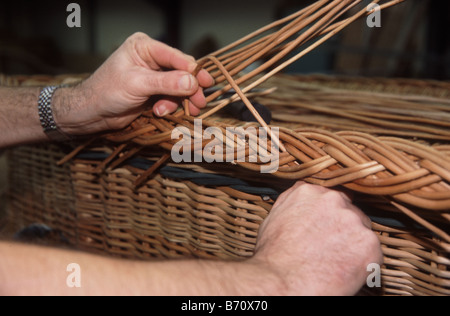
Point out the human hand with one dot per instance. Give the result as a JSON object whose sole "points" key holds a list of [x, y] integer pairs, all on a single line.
{"points": [[119, 91], [318, 242]]}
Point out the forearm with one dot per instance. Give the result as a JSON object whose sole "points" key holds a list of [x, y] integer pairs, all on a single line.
{"points": [[73, 110], [26, 270], [214, 278], [19, 118]]}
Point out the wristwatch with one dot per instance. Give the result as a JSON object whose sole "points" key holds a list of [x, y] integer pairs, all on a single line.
{"points": [[46, 115]]}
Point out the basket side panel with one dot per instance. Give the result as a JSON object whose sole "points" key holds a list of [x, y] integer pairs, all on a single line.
{"points": [[40, 191]]}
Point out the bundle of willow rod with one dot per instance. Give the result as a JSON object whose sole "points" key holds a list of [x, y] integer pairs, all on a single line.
{"points": [[272, 44]]}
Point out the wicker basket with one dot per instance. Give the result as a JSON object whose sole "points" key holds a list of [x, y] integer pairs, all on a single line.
{"points": [[214, 211]]}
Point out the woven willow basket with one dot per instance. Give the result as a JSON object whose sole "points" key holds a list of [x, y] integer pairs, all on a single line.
{"points": [[213, 211]]}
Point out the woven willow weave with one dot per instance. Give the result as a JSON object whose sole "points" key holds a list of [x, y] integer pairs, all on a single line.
{"points": [[98, 208], [386, 141]]}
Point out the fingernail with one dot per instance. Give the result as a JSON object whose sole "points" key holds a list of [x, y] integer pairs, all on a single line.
{"points": [[161, 110], [186, 82]]}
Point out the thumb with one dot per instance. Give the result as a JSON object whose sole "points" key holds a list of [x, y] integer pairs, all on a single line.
{"points": [[172, 83]]}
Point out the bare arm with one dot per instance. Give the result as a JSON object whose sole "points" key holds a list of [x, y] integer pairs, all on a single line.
{"points": [[19, 119], [29, 270], [314, 242], [112, 97]]}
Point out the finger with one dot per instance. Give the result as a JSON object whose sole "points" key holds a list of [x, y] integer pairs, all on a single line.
{"points": [[286, 195], [169, 105], [195, 111], [198, 99], [298, 184], [171, 83], [168, 57], [158, 55], [205, 79], [365, 220], [309, 189], [165, 106]]}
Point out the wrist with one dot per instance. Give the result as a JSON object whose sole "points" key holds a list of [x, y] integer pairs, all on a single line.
{"points": [[46, 115], [271, 281], [71, 109]]}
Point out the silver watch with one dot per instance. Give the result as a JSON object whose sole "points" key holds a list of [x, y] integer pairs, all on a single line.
{"points": [[46, 115]]}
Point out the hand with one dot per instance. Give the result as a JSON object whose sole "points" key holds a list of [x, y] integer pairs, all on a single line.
{"points": [[118, 92], [318, 242]]}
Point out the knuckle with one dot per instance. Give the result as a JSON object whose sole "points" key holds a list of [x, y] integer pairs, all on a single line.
{"points": [[138, 36], [373, 241], [306, 189], [191, 58], [157, 84], [118, 123], [376, 256], [284, 196], [335, 196], [165, 83], [372, 246]]}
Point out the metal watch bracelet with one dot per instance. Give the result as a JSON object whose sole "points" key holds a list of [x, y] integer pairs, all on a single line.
{"points": [[46, 115]]}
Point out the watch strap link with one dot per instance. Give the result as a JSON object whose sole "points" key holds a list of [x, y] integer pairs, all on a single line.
{"points": [[46, 115]]}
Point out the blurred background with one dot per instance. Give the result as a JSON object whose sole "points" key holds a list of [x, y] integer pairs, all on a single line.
{"points": [[35, 39]]}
